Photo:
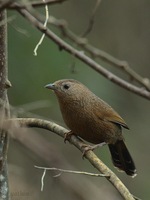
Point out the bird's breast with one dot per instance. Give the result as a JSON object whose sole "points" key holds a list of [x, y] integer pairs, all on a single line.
{"points": [[83, 123]]}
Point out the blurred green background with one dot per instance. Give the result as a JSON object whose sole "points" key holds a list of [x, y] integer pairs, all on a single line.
{"points": [[121, 28]]}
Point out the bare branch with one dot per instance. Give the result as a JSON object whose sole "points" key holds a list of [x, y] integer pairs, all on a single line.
{"points": [[64, 171], [93, 159], [97, 67], [35, 4], [94, 52], [97, 53], [71, 171]]}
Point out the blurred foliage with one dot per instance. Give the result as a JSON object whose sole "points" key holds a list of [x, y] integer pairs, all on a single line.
{"points": [[121, 28]]}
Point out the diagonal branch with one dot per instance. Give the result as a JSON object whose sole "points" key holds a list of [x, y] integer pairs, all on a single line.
{"points": [[92, 158], [97, 53], [80, 55], [83, 43]]}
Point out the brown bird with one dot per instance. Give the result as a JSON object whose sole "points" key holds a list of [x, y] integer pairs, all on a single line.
{"points": [[92, 119]]}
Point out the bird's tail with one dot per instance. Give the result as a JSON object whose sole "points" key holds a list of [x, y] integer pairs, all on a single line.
{"points": [[121, 158]]}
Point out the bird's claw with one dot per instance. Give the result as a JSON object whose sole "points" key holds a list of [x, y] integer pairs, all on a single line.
{"points": [[86, 149], [91, 148], [67, 136]]}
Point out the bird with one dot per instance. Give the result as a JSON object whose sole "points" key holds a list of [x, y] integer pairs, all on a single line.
{"points": [[93, 120]]}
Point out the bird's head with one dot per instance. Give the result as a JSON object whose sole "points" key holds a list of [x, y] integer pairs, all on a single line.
{"points": [[68, 88]]}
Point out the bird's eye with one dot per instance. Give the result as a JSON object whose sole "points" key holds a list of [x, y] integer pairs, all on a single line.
{"points": [[66, 87]]}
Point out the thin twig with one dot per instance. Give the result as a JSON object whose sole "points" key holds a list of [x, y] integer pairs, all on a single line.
{"points": [[91, 21], [45, 24], [90, 62], [35, 4], [136, 198], [93, 159], [64, 171], [42, 179], [71, 171], [47, 2]]}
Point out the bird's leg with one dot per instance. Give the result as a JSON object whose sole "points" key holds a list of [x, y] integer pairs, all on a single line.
{"points": [[91, 147], [67, 136]]}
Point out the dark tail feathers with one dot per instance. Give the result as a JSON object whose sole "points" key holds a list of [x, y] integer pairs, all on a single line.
{"points": [[121, 158]]}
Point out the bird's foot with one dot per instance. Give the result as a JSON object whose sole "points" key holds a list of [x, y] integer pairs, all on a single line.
{"points": [[91, 147], [67, 136]]}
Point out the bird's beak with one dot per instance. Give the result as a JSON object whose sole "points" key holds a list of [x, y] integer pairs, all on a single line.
{"points": [[50, 86]]}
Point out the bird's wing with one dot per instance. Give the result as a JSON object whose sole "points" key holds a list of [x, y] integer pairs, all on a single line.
{"points": [[117, 120], [107, 113]]}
